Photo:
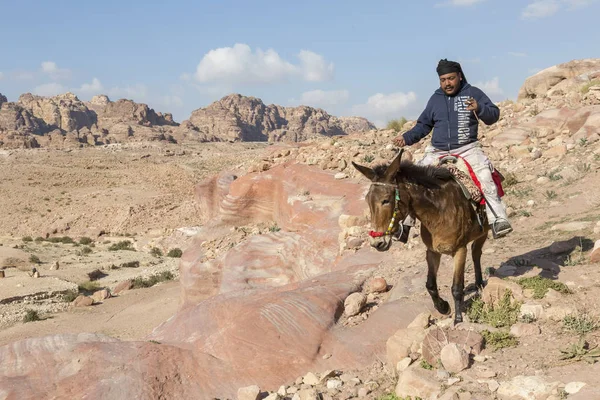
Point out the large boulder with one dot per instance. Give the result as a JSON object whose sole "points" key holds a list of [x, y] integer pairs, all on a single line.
{"points": [[560, 79]]}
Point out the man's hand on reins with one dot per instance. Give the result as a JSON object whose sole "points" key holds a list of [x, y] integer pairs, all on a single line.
{"points": [[472, 105], [399, 141]]}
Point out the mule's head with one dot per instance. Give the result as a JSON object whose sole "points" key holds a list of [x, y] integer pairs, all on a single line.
{"points": [[382, 198]]}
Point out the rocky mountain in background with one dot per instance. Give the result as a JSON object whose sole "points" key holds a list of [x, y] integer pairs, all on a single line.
{"points": [[65, 121], [240, 118]]}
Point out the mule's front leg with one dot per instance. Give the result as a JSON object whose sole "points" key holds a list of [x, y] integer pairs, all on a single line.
{"points": [[433, 264], [458, 283], [476, 250]]}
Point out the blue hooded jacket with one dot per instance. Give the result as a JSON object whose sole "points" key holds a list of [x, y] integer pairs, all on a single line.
{"points": [[453, 125]]}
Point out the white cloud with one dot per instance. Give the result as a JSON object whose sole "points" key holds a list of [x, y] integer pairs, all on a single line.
{"points": [[137, 92], [491, 88], [95, 87], [381, 107], [547, 8], [459, 3], [322, 98], [239, 64], [50, 89], [517, 54], [314, 68], [51, 69]]}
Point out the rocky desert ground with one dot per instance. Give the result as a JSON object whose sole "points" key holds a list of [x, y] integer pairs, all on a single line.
{"points": [[275, 292]]}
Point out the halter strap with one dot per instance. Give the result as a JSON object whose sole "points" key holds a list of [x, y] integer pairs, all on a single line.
{"points": [[388, 232]]}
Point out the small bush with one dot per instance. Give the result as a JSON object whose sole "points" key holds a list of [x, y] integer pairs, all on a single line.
{"points": [[541, 285], [580, 323], [396, 124], [85, 240], [504, 314], [425, 365], [27, 239], [156, 252], [39, 239], [63, 239], [31, 316], [510, 179], [575, 258], [368, 158], [34, 259], [499, 339], [123, 245], [175, 253], [70, 296], [274, 228], [550, 194], [85, 251], [586, 88], [140, 282], [89, 287]]}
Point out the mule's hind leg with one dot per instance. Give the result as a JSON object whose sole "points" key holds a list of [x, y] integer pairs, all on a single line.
{"points": [[458, 283], [433, 263], [476, 250]]}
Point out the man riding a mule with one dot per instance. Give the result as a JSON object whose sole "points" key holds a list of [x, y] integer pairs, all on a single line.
{"points": [[453, 112]]}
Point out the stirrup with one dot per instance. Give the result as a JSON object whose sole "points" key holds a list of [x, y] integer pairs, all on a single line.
{"points": [[500, 228]]}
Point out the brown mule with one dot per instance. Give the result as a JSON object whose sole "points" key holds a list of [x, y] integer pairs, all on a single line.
{"points": [[448, 220]]}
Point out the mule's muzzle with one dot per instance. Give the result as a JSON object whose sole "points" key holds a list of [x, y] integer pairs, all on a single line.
{"points": [[382, 243]]}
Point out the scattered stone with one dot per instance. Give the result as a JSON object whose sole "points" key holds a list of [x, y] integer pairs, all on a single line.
{"points": [[526, 387], [574, 387], [417, 382], [340, 175], [363, 392], [123, 286], [334, 384], [595, 256], [479, 358], [377, 285], [493, 385], [55, 266], [248, 393], [281, 391], [327, 356], [83, 301], [521, 330], [100, 295], [454, 358], [306, 394], [310, 379], [535, 310], [435, 340], [496, 287], [354, 303], [421, 321], [2, 274], [403, 343], [403, 364]]}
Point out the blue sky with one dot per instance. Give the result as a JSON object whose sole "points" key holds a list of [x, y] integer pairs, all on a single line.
{"points": [[375, 59]]}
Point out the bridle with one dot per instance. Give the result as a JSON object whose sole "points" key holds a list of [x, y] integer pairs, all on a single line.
{"points": [[390, 228]]}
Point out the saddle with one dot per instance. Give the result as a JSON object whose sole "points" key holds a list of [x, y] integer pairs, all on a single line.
{"points": [[465, 176]]}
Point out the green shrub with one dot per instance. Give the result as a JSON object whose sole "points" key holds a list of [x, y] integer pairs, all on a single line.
{"points": [[175, 253], [396, 124], [122, 245], [31, 316]]}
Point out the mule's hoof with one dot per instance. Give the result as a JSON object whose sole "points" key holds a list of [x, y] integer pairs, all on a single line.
{"points": [[443, 307], [458, 319]]}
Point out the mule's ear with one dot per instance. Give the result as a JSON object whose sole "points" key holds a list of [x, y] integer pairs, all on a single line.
{"points": [[394, 167], [366, 171]]}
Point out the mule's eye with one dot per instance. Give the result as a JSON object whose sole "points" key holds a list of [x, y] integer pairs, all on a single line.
{"points": [[384, 202]]}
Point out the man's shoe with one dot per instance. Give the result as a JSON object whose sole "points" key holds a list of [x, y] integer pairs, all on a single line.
{"points": [[402, 234], [501, 228]]}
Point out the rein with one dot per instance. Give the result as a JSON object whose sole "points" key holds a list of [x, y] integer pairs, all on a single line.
{"points": [[388, 232]]}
